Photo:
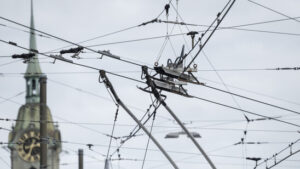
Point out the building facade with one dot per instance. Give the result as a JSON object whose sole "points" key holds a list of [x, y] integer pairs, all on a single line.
{"points": [[24, 139]]}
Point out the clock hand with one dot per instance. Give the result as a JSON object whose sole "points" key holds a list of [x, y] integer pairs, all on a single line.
{"points": [[31, 148], [26, 146]]}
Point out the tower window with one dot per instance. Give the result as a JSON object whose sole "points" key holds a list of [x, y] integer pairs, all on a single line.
{"points": [[28, 87], [34, 87], [33, 84]]}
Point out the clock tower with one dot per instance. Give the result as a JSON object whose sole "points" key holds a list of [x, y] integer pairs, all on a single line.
{"points": [[24, 139]]}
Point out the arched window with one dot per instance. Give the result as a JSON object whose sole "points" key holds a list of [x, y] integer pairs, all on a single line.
{"points": [[28, 88], [33, 87], [33, 84]]}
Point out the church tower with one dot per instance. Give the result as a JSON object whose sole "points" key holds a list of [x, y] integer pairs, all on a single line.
{"points": [[24, 139]]}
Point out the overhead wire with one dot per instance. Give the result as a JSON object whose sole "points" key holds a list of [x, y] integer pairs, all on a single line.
{"points": [[180, 34], [248, 112], [82, 126], [7, 99], [167, 38], [79, 89], [183, 162], [36, 121], [4, 57], [8, 63], [234, 100], [93, 94], [174, 128], [132, 134], [206, 126], [133, 148], [218, 20], [273, 10], [229, 27], [192, 156], [252, 69], [148, 141], [266, 31], [94, 38], [2, 128], [137, 128], [278, 161], [67, 41], [177, 16], [11, 27], [78, 64], [210, 101], [113, 127], [253, 92], [236, 26], [150, 160], [76, 44], [5, 162], [142, 149], [251, 99], [235, 87], [16, 95]]}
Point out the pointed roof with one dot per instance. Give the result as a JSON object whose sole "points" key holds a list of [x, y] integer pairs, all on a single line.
{"points": [[33, 67]]}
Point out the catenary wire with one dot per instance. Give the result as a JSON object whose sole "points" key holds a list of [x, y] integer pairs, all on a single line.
{"points": [[229, 27], [275, 11], [235, 87], [253, 92], [144, 82], [97, 37], [233, 98], [148, 141], [143, 149], [64, 40], [108, 34], [139, 80], [248, 112], [174, 128], [248, 98], [78, 64], [16, 95], [219, 20], [180, 34], [8, 63], [11, 27]]}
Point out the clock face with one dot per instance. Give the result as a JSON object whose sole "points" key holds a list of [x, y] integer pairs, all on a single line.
{"points": [[29, 146]]}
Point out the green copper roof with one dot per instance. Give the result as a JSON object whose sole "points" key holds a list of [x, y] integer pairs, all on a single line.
{"points": [[33, 67]]}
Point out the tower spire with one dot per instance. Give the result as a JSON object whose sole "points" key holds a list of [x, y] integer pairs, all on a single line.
{"points": [[33, 71], [24, 138], [33, 67]]}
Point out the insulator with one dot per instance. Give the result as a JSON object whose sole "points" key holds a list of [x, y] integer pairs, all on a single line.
{"points": [[23, 56], [72, 50]]}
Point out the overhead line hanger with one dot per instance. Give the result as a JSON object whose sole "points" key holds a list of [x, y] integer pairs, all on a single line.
{"points": [[102, 53], [14, 44], [59, 57]]}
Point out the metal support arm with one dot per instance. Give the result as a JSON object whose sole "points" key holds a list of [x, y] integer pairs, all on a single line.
{"points": [[119, 101], [151, 84]]}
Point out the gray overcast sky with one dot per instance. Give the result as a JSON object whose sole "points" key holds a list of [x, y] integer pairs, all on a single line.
{"points": [[219, 127]]}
